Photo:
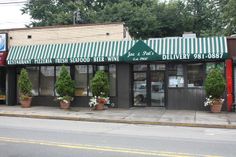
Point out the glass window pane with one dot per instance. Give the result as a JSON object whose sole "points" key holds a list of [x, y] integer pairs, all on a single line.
{"points": [[140, 67], [34, 78], [112, 79], [195, 75], [90, 69], [176, 81], [81, 80], [47, 80], [212, 65], [157, 66], [176, 78]]}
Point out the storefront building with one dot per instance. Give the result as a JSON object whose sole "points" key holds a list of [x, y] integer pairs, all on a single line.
{"points": [[159, 72]]}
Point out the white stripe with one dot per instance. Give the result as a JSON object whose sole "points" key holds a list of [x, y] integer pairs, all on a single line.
{"points": [[53, 51], [213, 45], [209, 45], [217, 45], [225, 43], [200, 44]]}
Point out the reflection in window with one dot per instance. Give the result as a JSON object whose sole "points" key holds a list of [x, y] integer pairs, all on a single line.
{"points": [[212, 65], [47, 80], [195, 75], [90, 70], [112, 79], [176, 78], [34, 76], [140, 67], [157, 66], [81, 80]]}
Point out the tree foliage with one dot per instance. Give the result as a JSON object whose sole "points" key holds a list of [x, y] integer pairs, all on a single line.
{"points": [[100, 84], [64, 84], [24, 83], [144, 18], [215, 84]]}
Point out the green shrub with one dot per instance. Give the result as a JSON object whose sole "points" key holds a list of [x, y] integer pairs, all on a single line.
{"points": [[64, 84], [24, 83], [215, 84], [100, 84]]}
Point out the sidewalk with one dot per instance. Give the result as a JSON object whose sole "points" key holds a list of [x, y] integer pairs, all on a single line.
{"points": [[151, 116]]}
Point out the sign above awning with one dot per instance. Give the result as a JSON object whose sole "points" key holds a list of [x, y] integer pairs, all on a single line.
{"points": [[158, 49]]}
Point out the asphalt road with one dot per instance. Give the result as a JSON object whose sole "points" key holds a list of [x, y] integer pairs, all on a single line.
{"points": [[24, 137]]}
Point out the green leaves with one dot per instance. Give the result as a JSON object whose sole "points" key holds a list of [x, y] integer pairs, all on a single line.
{"points": [[64, 84], [100, 84], [215, 84], [24, 83], [144, 18]]}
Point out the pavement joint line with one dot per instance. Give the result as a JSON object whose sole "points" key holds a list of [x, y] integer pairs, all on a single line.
{"points": [[204, 125], [103, 148]]}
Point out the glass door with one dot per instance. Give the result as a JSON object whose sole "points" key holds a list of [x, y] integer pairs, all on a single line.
{"points": [[2, 86], [157, 88], [140, 89]]}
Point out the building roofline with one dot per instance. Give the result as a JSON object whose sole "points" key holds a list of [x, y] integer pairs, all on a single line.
{"points": [[60, 26]]}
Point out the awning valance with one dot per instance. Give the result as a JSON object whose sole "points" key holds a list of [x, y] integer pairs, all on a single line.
{"points": [[126, 50]]}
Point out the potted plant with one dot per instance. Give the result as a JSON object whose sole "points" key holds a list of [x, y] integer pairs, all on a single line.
{"points": [[25, 88], [100, 90], [215, 87], [65, 88]]}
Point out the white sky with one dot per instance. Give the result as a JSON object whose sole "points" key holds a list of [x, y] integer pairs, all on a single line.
{"points": [[10, 15]]}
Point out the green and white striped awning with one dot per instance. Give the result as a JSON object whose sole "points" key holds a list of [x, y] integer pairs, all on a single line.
{"points": [[126, 50], [69, 52]]}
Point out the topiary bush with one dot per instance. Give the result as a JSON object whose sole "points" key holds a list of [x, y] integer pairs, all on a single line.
{"points": [[215, 84], [25, 85], [65, 85], [100, 84]]}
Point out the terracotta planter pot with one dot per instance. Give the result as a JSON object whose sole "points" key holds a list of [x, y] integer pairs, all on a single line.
{"points": [[26, 103], [100, 106], [216, 106], [64, 105]]}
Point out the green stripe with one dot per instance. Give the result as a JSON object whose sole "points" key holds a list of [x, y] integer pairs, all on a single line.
{"points": [[219, 44], [206, 41], [170, 48]]}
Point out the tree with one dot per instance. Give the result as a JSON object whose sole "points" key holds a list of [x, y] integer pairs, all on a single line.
{"points": [[65, 85], [51, 12], [229, 15]]}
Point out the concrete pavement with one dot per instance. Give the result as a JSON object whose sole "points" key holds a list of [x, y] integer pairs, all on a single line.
{"points": [[148, 115]]}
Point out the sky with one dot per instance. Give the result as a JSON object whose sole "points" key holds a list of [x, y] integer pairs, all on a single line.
{"points": [[11, 16]]}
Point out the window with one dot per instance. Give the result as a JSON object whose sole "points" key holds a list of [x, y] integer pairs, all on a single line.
{"points": [[112, 79], [81, 80], [90, 70], [34, 76], [157, 66], [210, 66], [195, 75], [140, 67], [47, 80], [176, 75]]}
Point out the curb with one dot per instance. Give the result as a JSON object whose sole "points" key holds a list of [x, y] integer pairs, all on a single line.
{"points": [[222, 126]]}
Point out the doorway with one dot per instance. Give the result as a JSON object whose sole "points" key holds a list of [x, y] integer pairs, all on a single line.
{"points": [[148, 85], [2, 86]]}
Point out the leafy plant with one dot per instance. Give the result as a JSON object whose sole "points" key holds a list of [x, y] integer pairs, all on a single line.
{"points": [[215, 84], [100, 84], [24, 84], [65, 85]]}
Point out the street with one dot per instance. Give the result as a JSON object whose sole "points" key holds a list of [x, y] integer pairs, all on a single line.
{"points": [[25, 137]]}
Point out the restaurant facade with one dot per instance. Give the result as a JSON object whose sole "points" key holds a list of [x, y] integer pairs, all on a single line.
{"points": [[158, 72]]}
